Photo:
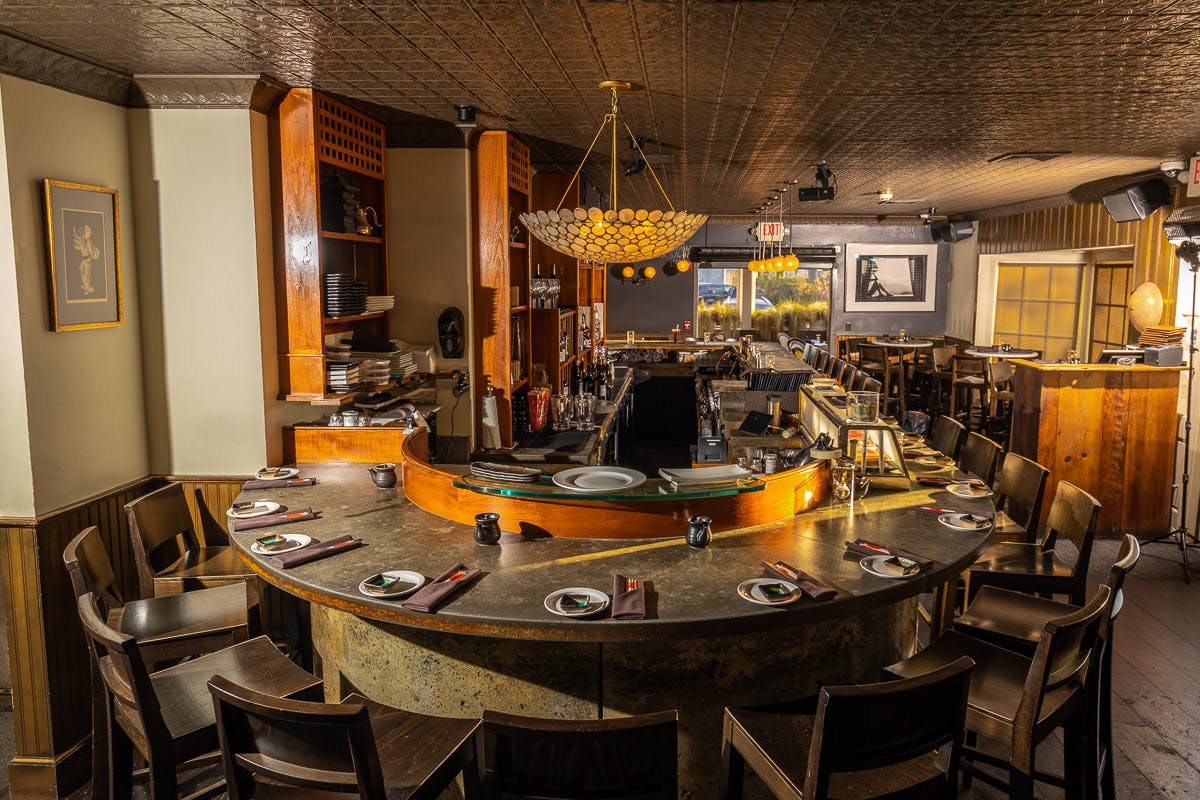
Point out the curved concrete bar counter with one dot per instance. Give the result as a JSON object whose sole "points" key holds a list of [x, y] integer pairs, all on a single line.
{"points": [[702, 646]]}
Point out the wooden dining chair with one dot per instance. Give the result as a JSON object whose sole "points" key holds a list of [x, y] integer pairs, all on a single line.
{"points": [[1019, 494], [979, 457], [947, 436], [1015, 620], [879, 364], [1000, 386], [869, 384], [557, 759], [932, 377], [836, 365], [273, 747], [824, 360], [863, 741], [167, 717], [1020, 700], [1038, 567]]}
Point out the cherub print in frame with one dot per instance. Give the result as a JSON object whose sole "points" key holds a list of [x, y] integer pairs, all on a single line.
{"points": [[83, 246]]}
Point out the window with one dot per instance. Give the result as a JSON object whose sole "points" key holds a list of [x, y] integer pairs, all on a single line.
{"points": [[717, 301], [796, 302], [1110, 316], [1037, 306]]}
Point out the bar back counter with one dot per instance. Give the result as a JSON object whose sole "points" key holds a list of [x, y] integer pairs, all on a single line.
{"points": [[701, 646]]}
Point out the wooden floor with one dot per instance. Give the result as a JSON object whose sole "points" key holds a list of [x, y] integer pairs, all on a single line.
{"points": [[1156, 676]]}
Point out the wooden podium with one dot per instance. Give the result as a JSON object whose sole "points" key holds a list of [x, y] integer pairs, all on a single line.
{"points": [[1108, 429]]}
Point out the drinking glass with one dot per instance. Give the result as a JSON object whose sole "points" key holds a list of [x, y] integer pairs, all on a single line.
{"points": [[841, 476], [862, 406], [585, 409], [561, 404]]}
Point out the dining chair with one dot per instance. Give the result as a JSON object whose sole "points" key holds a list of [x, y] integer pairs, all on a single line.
{"points": [[167, 717], [1015, 619], [878, 363], [979, 457], [968, 380], [1037, 567], [808, 353], [559, 759], [933, 377], [836, 365], [1000, 386], [947, 436], [894, 739], [1020, 700], [273, 747], [1019, 494], [822, 361]]}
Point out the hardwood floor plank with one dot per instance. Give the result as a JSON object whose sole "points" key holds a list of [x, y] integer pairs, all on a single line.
{"points": [[1140, 740]]}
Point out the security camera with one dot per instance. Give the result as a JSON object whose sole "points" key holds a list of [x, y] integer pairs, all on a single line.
{"points": [[1172, 168]]}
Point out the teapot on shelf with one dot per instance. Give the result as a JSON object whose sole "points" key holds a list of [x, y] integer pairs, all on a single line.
{"points": [[362, 222]]}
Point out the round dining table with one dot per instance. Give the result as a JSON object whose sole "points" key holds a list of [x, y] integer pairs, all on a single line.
{"points": [[903, 345]]}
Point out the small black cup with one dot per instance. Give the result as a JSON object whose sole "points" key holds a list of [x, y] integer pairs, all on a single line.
{"points": [[487, 528], [698, 533], [384, 475]]}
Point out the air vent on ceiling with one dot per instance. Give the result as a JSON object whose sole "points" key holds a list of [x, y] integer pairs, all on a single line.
{"points": [[1032, 155]]}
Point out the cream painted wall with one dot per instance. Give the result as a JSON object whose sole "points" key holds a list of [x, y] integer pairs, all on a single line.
{"points": [[86, 424], [429, 254], [16, 466], [964, 271]]}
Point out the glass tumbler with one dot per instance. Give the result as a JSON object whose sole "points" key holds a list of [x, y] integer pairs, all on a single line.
{"points": [[841, 477], [862, 406], [585, 409], [561, 408]]}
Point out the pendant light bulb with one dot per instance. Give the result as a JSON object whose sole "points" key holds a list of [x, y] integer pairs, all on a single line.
{"points": [[628, 271], [683, 265], [648, 272]]}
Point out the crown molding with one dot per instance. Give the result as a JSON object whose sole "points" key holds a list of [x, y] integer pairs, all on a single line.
{"points": [[256, 92], [33, 61]]}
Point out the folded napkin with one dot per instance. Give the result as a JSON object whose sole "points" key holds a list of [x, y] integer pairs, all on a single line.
{"points": [[813, 588], [273, 519], [278, 483], [628, 603], [315, 551], [866, 548], [441, 589]]}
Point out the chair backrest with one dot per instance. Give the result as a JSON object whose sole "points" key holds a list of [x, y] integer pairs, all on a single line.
{"points": [[91, 570], [823, 359], [941, 357], [874, 354], [1073, 515], [849, 371], [160, 527], [947, 435], [1060, 665], [980, 456], [878, 725], [967, 366], [1000, 374], [298, 743], [783, 337], [857, 378], [809, 352], [870, 384], [1127, 559], [836, 365], [1020, 491], [623, 757]]}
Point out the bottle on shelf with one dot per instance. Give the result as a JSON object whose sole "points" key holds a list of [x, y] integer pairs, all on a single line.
{"points": [[553, 288], [537, 288]]}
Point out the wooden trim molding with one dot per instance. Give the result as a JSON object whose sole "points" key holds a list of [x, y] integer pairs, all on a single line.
{"points": [[255, 92], [33, 61]]}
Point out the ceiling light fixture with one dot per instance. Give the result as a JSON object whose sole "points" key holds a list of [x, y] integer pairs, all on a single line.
{"points": [[616, 236]]}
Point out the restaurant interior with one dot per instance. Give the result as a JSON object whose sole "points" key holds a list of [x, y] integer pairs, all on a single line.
{"points": [[701, 399]]}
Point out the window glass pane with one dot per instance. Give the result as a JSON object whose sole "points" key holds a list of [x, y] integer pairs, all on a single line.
{"points": [[1037, 283], [1033, 317], [1008, 283]]}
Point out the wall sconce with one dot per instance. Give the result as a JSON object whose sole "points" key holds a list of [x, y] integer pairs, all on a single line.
{"points": [[627, 272]]}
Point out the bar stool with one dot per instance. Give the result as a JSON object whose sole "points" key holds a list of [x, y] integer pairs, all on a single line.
{"points": [[167, 717], [1019, 496], [1021, 700], [1014, 620], [947, 436], [602, 759], [979, 457], [1000, 386], [1037, 567], [934, 377], [277, 748], [860, 741], [968, 380], [876, 362]]}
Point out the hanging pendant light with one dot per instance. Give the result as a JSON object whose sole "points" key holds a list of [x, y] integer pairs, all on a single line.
{"points": [[614, 236]]}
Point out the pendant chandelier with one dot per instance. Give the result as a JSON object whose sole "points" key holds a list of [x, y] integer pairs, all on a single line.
{"points": [[772, 258], [620, 237]]}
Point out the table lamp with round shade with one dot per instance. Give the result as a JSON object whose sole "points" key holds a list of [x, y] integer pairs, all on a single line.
{"points": [[1145, 306]]}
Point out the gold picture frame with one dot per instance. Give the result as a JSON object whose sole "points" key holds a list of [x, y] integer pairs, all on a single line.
{"points": [[83, 248]]}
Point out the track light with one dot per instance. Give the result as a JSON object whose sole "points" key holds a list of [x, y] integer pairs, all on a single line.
{"points": [[638, 165]]}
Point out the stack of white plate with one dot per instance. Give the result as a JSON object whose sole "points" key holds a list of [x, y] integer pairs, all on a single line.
{"points": [[699, 475], [505, 472], [380, 302]]}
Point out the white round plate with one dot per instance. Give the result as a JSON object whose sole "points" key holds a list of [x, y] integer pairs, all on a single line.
{"points": [[752, 590], [968, 490], [298, 540], [599, 479], [878, 566], [283, 474], [597, 602], [689, 338], [415, 579], [960, 523], [261, 509]]}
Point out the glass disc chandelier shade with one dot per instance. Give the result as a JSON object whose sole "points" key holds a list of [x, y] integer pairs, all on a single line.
{"points": [[614, 236]]}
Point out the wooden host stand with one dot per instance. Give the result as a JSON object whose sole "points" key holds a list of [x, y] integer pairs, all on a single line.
{"points": [[1110, 430]]}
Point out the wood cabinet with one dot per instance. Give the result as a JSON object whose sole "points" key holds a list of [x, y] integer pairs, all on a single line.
{"points": [[319, 146]]}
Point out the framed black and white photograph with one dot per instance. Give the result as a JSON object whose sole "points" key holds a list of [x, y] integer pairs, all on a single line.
{"points": [[83, 246], [891, 277]]}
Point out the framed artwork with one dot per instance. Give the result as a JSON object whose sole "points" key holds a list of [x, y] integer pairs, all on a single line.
{"points": [[83, 244], [891, 277]]}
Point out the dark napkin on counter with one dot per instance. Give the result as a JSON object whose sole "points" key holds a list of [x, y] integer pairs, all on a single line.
{"points": [[628, 603], [813, 588], [939, 510], [867, 548], [273, 519], [434, 594], [277, 483], [315, 551], [950, 481]]}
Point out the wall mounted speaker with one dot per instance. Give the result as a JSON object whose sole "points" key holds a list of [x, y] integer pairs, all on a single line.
{"points": [[952, 231], [1137, 201]]}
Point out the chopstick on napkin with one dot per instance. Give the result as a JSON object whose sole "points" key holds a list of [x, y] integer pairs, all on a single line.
{"points": [[950, 481], [629, 598], [445, 586], [865, 548], [813, 588], [273, 519], [316, 551], [277, 483], [939, 510]]}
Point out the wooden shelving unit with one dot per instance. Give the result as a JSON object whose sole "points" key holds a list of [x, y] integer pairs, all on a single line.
{"points": [[314, 138]]}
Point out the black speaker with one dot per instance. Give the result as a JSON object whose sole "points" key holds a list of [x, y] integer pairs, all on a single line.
{"points": [[952, 231], [1137, 201]]}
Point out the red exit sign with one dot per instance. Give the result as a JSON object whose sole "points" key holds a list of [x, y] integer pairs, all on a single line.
{"points": [[1193, 181], [770, 231]]}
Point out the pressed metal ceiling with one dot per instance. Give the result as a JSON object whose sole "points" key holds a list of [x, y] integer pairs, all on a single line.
{"points": [[905, 96]]}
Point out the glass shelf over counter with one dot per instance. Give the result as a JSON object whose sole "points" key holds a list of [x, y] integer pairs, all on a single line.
{"points": [[653, 489]]}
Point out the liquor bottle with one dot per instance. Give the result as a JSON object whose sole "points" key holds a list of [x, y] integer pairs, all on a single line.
{"points": [[537, 288]]}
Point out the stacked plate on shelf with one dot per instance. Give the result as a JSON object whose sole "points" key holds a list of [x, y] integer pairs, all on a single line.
{"points": [[343, 375], [344, 296], [505, 472], [380, 302]]}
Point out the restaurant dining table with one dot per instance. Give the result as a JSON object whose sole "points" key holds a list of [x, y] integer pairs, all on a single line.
{"points": [[903, 345], [999, 353]]}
